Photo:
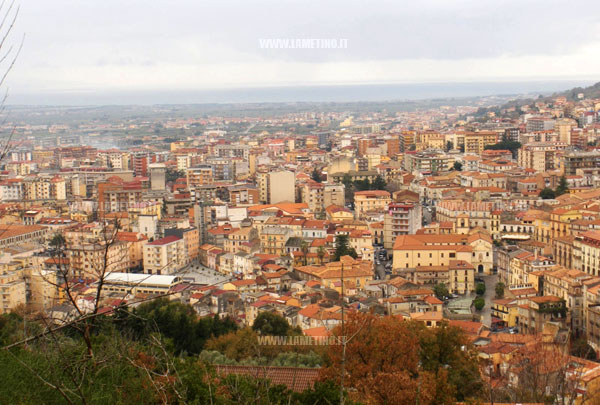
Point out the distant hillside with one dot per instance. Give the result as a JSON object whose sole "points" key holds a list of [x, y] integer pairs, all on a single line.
{"points": [[592, 91]]}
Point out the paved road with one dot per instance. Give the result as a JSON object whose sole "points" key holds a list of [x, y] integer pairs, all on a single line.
{"points": [[490, 294], [380, 268], [427, 216]]}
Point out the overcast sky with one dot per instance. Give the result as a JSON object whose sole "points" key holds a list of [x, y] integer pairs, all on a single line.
{"points": [[132, 45]]}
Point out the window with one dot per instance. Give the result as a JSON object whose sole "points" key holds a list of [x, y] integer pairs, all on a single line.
{"points": [[452, 255]]}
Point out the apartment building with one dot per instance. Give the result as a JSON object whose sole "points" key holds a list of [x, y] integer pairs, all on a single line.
{"points": [[541, 156], [537, 311], [568, 285], [427, 162], [370, 200], [273, 239], [199, 176], [400, 219], [586, 252], [164, 256], [92, 259], [465, 215], [278, 187], [44, 188], [12, 286], [586, 162], [475, 142], [11, 190], [525, 263]]}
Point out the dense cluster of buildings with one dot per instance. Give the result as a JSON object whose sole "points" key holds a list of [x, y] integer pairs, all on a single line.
{"points": [[239, 222]]}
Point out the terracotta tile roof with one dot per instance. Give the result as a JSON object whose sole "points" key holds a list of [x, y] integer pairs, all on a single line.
{"points": [[295, 378], [9, 231], [317, 332]]}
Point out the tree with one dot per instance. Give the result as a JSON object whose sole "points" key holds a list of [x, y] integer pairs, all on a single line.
{"points": [[547, 194], [347, 180], [343, 248], [175, 321], [172, 175], [268, 323], [479, 303], [441, 291], [499, 290], [57, 241], [378, 184], [316, 175], [401, 362], [362, 185], [562, 187], [304, 249], [581, 348], [447, 348], [457, 166], [321, 254], [480, 289], [512, 146]]}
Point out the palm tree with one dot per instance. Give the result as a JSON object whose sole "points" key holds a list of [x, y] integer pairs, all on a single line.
{"points": [[304, 249], [321, 254]]}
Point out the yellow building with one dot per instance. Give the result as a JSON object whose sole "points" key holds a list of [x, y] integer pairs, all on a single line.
{"points": [[586, 252], [12, 286], [356, 274], [475, 142], [507, 310], [273, 239], [92, 259], [337, 213], [370, 200], [412, 251], [458, 276], [560, 221]]}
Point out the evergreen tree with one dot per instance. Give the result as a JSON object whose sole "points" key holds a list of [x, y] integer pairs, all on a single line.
{"points": [[378, 184], [316, 175], [563, 187], [547, 194], [343, 248], [268, 323]]}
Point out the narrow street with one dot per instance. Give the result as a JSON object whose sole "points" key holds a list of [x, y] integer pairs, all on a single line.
{"points": [[490, 294]]}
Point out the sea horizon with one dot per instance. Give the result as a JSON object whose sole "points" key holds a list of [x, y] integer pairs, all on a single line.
{"points": [[350, 93]]}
